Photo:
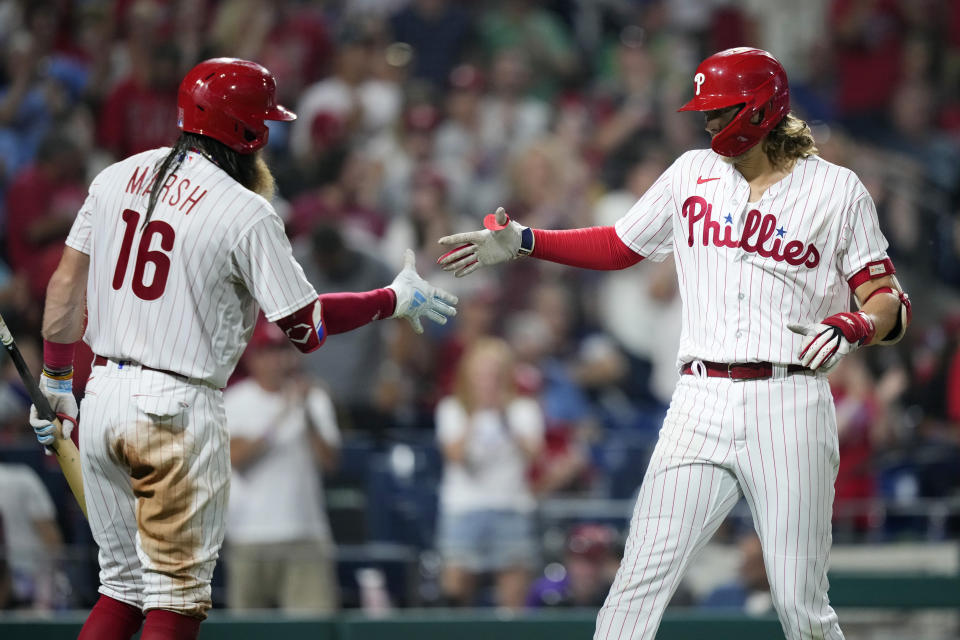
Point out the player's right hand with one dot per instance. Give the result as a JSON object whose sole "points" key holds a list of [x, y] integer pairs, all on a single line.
{"points": [[417, 298], [498, 242], [59, 393]]}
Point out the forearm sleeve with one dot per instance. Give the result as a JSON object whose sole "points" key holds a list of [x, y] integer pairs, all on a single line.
{"points": [[590, 248], [308, 327], [344, 312]]}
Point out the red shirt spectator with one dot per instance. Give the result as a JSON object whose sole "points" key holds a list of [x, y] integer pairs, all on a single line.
{"points": [[141, 112], [868, 39], [42, 202]]}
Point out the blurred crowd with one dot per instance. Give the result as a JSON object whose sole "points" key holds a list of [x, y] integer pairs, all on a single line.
{"points": [[416, 118]]}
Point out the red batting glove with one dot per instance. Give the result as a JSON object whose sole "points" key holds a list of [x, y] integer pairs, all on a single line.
{"points": [[833, 338]]}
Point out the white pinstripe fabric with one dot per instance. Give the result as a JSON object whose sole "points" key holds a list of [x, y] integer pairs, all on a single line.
{"points": [[737, 303], [230, 254], [774, 442], [143, 426]]}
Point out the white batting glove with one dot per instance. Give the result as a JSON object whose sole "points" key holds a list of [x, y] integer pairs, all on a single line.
{"points": [[59, 393], [835, 337], [418, 298], [500, 240]]}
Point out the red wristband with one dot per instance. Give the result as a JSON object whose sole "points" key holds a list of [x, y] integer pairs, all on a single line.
{"points": [[57, 355]]}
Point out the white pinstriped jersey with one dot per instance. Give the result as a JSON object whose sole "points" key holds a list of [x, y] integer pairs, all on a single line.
{"points": [[747, 271], [182, 293]]}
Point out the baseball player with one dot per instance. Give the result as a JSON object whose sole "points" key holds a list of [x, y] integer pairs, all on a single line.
{"points": [[769, 241], [174, 251]]}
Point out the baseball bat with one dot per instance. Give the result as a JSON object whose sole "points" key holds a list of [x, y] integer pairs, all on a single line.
{"points": [[67, 454]]}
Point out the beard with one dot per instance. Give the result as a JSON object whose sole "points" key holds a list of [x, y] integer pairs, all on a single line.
{"points": [[261, 179]]}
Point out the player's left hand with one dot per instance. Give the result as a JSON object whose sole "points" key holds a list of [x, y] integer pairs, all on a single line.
{"points": [[417, 298], [833, 338]]}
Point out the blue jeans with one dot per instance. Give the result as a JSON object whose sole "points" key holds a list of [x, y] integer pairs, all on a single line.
{"points": [[487, 539]]}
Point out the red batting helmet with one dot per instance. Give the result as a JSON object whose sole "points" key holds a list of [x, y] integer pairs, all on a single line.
{"points": [[228, 99], [751, 77]]}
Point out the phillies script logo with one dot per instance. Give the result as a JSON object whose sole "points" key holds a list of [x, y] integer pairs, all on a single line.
{"points": [[758, 229]]}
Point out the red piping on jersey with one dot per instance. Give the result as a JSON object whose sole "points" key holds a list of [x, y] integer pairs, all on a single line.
{"points": [[590, 248], [344, 312], [872, 271]]}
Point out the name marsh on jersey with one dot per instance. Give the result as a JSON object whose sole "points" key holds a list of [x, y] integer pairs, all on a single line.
{"points": [[139, 185]]}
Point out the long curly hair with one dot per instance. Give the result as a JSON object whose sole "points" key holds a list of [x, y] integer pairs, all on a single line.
{"points": [[790, 140], [250, 170]]}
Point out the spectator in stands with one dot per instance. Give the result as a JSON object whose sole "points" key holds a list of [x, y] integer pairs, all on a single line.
{"points": [[32, 99], [409, 155], [34, 545], [346, 195], [429, 215], [509, 118], [488, 436], [440, 33], [42, 202], [590, 561], [539, 35], [649, 299], [467, 159], [289, 38], [14, 398], [140, 113], [862, 430], [750, 592], [283, 432], [367, 107], [626, 106], [349, 365], [868, 42], [550, 185], [542, 339]]}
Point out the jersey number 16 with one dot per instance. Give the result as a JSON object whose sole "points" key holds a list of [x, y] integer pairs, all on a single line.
{"points": [[145, 255]]}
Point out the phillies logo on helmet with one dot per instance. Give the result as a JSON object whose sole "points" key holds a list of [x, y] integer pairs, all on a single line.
{"points": [[699, 80]]}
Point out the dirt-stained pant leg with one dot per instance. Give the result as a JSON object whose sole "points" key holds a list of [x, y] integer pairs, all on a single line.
{"points": [[157, 466], [686, 493], [178, 455]]}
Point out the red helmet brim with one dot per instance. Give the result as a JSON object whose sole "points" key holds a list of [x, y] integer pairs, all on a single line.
{"points": [[281, 113]]}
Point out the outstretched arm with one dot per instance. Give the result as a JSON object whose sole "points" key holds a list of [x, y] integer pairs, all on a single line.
{"points": [[408, 296], [503, 239]]}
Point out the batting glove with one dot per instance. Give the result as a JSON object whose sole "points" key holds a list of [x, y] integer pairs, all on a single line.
{"points": [[417, 298], [57, 388], [833, 338], [502, 239]]}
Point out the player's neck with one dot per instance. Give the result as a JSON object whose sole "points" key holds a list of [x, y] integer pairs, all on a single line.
{"points": [[755, 166]]}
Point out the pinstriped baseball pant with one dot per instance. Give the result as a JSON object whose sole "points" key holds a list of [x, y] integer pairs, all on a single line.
{"points": [[156, 471], [772, 441]]}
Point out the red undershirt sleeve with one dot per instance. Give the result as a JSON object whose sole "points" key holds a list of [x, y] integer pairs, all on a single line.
{"points": [[344, 312], [590, 248], [331, 313]]}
